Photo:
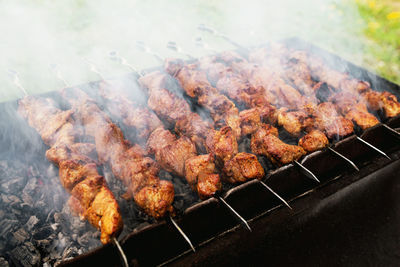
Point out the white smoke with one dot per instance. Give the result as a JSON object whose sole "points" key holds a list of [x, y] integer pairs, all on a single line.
{"points": [[38, 33]]}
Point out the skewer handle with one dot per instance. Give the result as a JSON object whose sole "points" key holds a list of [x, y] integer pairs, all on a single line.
{"points": [[121, 252]]}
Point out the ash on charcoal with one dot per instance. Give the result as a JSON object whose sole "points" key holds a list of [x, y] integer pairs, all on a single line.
{"points": [[3, 262], [21, 235], [25, 255], [33, 220]]}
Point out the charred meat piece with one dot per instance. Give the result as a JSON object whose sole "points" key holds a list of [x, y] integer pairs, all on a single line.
{"points": [[265, 142], [138, 173], [171, 153], [291, 121], [202, 176], [222, 144], [354, 109], [250, 121], [383, 101], [328, 120], [242, 167], [313, 141], [90, 196]]}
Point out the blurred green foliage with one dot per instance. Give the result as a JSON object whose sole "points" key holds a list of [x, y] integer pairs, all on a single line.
{"points": [[382, 29]]}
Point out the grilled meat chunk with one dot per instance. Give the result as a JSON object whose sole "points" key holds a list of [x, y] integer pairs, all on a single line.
{"points": [[328, 120], [266, 142], [202, 176], [90, 196], [313, 141], [222, 144], [170, 152], [138, 173], [242, 167]]}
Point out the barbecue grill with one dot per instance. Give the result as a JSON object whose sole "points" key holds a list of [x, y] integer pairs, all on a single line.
{"points": [[349, 218]]}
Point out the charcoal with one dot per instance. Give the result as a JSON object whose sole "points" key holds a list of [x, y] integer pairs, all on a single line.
{"points": [[13, 185], [21, 235], [3, 262], [33, 220], [43, 233], [25, 255], [27, 199], [30, 187], [6, 226]]}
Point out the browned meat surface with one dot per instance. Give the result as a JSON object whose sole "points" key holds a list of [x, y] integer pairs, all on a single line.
{"points": [[250, 121], [222, 144], [242, 167], [292, 121], [202, 176], [171, 153], [328, 120], [196, 85], [143, 120], [266, 142], [383, 100], [195, 128], [138, 173], [313, 141], [90, 196]]}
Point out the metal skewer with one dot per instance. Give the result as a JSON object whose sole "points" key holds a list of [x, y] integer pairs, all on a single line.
{"points": [[204, 28], [343, 157], [182, 233], [305, 171], [276, 194], [373, 147], [234, 212], [18, 84], [393, 131], [121, 252], [199, 43], [173, 46], [15, 78], [174, 223]]}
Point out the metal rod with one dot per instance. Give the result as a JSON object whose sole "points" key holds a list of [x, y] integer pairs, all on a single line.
{"points": [[56, 71], [175, 47], [121, 252], [344, 158], [93, 67], [396, 133], [306, 171], [182, 233], [16, 81], [373, 147], [114, 55], [237, 215], [204, 28], [276, 194], [142, 46], [200, 43]]}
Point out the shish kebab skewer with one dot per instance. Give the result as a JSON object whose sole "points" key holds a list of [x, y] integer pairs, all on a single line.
{"points": [[235, 213], [202, 27], [309, 141], [93, 68], [90, 195], [358, 113], [206, 95], [152, 90]]}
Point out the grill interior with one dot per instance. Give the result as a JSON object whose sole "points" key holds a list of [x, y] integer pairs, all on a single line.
{"points": [[37, 232]]}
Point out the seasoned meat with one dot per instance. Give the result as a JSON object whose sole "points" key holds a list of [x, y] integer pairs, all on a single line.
{"points": [[265, 142], [328, 120], [170, 152], [292, 121], [222, 144], [250, 121], [313, 141], [242, 167], [202, 176]]}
